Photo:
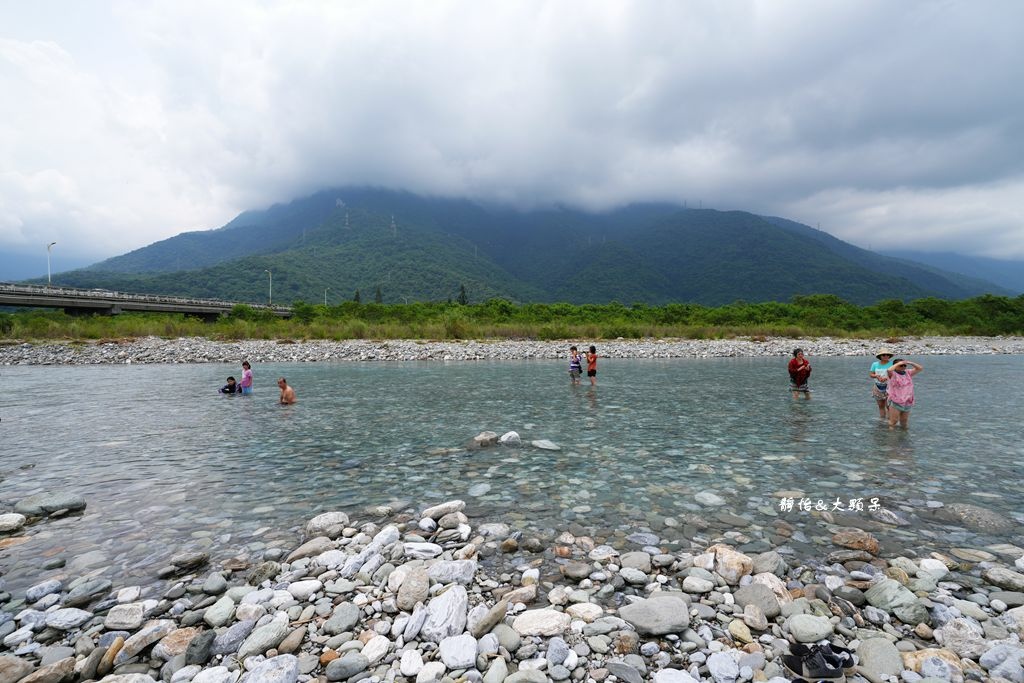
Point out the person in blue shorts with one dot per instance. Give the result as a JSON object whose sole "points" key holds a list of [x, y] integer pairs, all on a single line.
{"points": [[879, 375]]}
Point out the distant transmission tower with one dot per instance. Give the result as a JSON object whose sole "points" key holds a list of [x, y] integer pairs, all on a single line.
{"points": [[347, 226], [394, 228]]}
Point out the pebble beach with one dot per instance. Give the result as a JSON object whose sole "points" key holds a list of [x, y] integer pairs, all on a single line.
{"points": [[200, 350], [403, 592]]}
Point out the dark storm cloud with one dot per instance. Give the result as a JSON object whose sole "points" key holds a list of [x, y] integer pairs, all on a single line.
{"points": [[865, 116]]}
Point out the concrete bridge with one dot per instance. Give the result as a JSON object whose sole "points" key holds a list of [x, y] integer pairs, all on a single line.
{"points": [[85, 301]]}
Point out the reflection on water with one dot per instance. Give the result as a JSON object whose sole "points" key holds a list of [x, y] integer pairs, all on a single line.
{"points": [[166, 463]]}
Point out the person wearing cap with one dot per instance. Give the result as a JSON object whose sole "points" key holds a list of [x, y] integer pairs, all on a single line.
{"points": [[880, 380]]}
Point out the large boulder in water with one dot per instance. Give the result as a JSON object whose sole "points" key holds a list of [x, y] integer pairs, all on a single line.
{"points": [[43, 504], [975, 518]]}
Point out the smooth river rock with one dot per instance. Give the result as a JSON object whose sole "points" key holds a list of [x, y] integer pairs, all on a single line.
{"points": [[446, 614], [658, 616], [280, 669], [265, 637], [807, 628], [43, 504], [329, 524], [11, 521], [541, 622], [151, 633]]}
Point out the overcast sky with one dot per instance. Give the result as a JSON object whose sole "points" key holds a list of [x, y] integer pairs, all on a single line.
{"points": [[890, 124]]}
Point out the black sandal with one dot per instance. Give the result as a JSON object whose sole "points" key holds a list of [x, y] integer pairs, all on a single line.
{"points": [[840, 656], [836, 655], [813, 664]]}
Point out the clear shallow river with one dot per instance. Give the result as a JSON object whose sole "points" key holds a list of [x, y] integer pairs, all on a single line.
{"points": [[167, 464]]}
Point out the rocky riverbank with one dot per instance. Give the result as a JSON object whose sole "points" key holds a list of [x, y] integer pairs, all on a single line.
{"points": [[200, 350], [411, 596]]}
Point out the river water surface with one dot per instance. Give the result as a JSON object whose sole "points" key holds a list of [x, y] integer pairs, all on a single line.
{"points": [[166, 464]]}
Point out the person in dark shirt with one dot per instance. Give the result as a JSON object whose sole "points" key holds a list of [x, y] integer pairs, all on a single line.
{"points": [[231, 387], [799, 370]]}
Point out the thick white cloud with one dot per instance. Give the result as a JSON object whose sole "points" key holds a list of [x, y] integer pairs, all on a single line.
{"points": [[135, 121]]}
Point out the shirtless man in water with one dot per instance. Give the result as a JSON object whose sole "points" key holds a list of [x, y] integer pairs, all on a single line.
{"points": [[287, 393]]}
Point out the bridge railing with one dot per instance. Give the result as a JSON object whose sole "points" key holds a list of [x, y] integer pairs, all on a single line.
{"points": [[77, 292]]}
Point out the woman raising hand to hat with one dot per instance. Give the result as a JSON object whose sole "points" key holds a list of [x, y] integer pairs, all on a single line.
{"points": [[879, 374]]}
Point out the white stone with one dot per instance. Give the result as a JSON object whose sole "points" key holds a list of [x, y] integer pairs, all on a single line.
{"points": [[602, 553], [422, 551], [128, 678], [439, 511], [709, 499], [674, 676], [332, 559], [510, 439], [397, 577], [67, 618], [723, 667], [376, 648], [216, 674], [541, 622], [488, 645], [458, 652], [587, 611], [454, 571], [446, 614], [329, 524], [186, 673], [129, 594], [304, 590], [11, 521], [125, 617], [411, 664], [431, 671], [931, 567], [545, 445], [497, 671]]}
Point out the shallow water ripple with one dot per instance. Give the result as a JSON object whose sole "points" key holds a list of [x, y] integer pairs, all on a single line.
{"points": [[166, 464]]}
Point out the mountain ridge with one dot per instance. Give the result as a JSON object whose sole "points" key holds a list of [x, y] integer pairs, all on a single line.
{"points": [[423, 248]]}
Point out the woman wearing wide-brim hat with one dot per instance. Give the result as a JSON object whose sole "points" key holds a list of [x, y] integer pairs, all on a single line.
{"points": [[879, 375]]}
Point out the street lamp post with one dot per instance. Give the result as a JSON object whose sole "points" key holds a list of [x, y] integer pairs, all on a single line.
{"points": [[325, 295], [270, 288], [48, 248]]}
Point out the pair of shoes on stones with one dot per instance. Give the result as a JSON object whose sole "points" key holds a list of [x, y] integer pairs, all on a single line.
{"points": [[819, 662]]}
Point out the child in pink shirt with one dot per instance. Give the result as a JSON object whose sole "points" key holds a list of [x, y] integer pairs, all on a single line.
{"points": [[901, 391]]}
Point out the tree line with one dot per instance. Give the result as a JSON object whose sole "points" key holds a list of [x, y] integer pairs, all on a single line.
{"points": [[815, 315]]}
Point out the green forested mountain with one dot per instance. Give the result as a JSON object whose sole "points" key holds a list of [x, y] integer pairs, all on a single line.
{"points": [[420, 248]]}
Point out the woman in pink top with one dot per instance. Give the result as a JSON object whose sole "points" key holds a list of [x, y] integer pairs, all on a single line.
{"points": [[901, 391], [246, 383]]}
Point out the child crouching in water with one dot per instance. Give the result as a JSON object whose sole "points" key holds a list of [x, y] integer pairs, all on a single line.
{"points": [[230, 387], [901, 391]]}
